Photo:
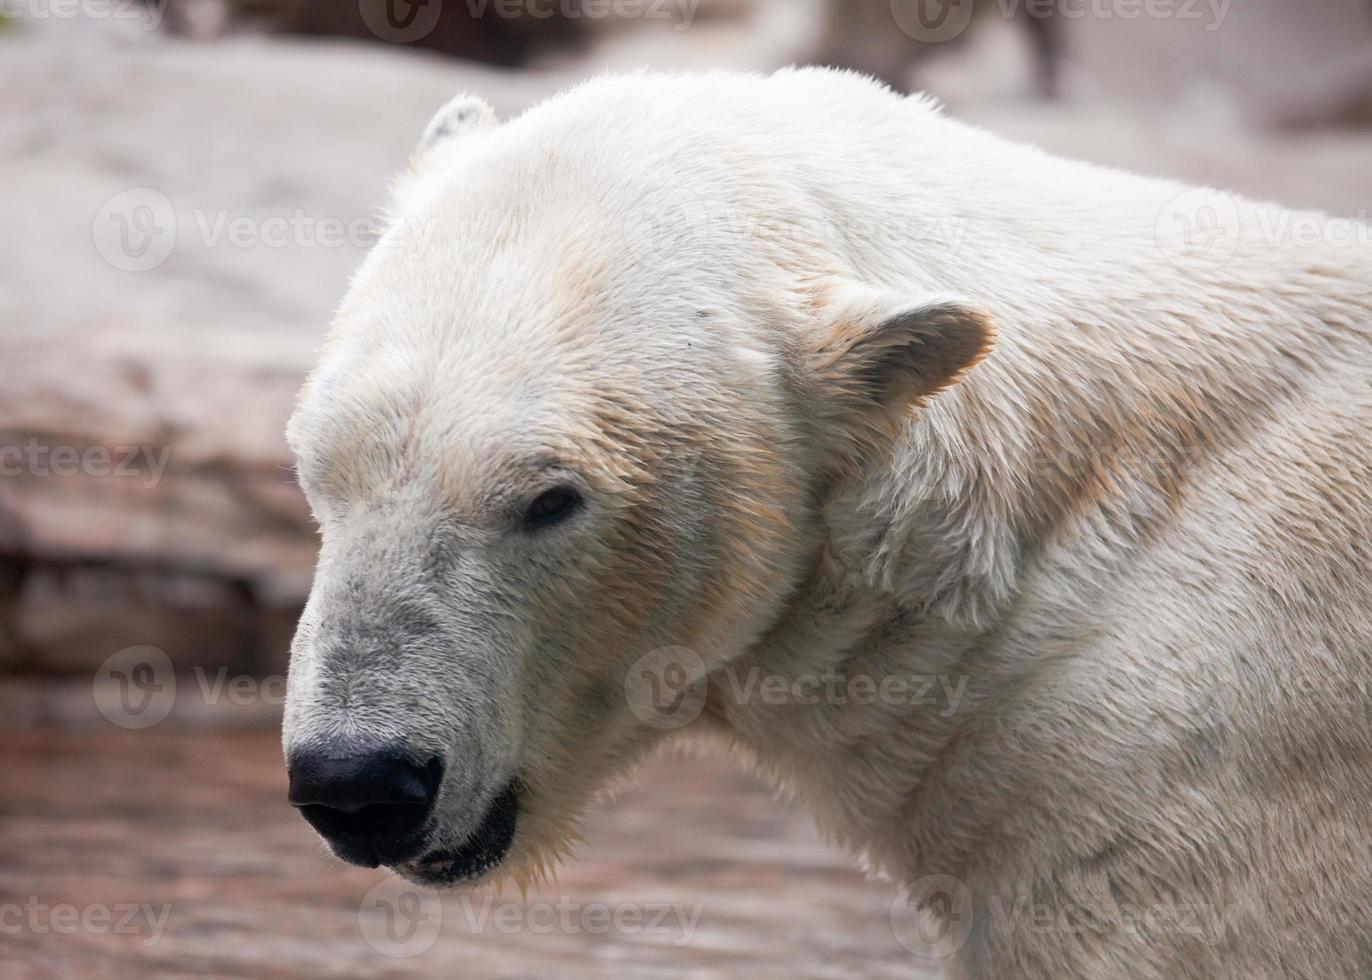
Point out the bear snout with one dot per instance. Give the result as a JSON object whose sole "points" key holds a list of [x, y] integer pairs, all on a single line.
{"points": [[369, 800]]}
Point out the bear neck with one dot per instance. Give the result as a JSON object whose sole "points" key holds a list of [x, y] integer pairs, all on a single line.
{"points": [[1130, 359], [1124, 376]]}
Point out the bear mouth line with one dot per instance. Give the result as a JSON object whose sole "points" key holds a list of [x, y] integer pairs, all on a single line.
{"points": [[484, 848]]}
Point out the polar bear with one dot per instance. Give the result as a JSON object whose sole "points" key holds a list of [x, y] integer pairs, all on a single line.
{"points": [[819, 403]]}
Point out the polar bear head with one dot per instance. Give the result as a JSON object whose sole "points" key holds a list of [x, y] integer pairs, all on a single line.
{"points": [[566, 417]]}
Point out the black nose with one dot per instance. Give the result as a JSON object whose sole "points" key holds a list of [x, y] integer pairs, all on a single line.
{"points": [[367, 799]]}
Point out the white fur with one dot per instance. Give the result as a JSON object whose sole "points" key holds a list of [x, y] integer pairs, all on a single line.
{"points": [[1135, 537]]}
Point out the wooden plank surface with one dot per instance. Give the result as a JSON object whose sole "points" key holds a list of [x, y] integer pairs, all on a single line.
{"points": [[178, 856]]}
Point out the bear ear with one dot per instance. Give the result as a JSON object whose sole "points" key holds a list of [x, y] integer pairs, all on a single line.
{"points": [[447, 132], [462, 114], [878, 355]]}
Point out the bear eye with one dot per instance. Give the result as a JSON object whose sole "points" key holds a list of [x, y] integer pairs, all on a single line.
{"points": [[551, 507]]}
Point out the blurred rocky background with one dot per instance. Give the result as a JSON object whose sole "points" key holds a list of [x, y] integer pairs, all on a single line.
{"points": [[190, 182]]}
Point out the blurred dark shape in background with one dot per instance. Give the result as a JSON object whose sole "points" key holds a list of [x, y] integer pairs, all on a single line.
{"points": [[1270, 62], [858, 34], [479, 31], [1266, 62]]}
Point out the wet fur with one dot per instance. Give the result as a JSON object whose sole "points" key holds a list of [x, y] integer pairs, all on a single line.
{"points": [[1138, 529]]}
